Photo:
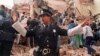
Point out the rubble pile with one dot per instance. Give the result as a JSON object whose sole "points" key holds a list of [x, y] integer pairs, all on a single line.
{"points": [[69, 51]]}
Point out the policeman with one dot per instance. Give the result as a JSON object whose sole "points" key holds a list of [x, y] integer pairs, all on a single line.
{"points": [[46, 35], [8, 35]]}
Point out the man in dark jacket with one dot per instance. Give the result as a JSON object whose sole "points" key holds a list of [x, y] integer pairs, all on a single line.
{"points": [[7, 35], [32, 23]]}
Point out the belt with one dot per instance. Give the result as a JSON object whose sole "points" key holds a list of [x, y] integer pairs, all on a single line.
{"points": [[46, 51]]}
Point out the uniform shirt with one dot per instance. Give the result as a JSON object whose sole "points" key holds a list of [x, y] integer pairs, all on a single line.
{"points": [[47, 36]]}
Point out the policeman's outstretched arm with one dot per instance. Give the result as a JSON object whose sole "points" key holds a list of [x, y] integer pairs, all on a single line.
{"points": [[76, 29]]}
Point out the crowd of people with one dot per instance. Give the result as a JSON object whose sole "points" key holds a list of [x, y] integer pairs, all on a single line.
{"points": [[45, 29]]}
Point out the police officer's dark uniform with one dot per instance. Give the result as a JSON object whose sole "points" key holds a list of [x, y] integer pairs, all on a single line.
{"points": [[46, 38], [7, 37]]}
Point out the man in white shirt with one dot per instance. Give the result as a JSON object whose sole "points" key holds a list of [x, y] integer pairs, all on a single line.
{"points": [[88, 36]]}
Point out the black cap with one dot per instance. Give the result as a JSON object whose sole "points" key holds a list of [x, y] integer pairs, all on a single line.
{"points": [[42, 15], [46, 11]]}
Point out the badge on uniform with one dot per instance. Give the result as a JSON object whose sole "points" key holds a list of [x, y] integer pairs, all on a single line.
{"points": [[54, 30]]}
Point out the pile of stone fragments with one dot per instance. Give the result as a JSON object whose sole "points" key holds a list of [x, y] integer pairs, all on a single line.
{"points": [[65, 50], [68, 51], [19, 50]]}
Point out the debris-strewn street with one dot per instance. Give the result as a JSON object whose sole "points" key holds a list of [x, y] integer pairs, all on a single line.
{"points": [[64, 51], [49, 27]]}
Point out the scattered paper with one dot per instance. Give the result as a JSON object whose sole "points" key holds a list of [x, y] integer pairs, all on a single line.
{"points": [[20, 28]]}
